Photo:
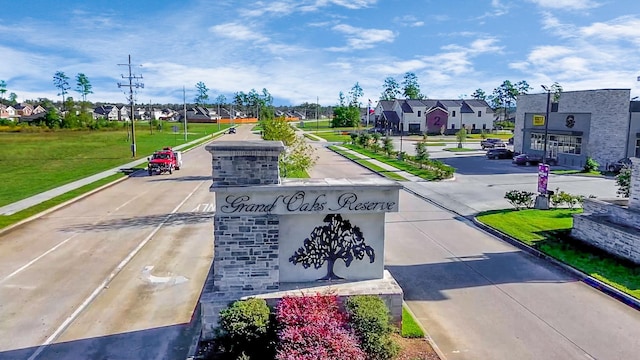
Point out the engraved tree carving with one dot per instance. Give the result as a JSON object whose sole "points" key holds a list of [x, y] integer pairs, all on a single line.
{"points": [[335, 240]]}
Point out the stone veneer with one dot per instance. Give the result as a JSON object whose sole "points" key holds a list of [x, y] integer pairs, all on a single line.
{"points": [[247, 245], [611, 227]]}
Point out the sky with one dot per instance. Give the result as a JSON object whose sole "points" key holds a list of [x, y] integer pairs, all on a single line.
{"points": [[311, 50]]}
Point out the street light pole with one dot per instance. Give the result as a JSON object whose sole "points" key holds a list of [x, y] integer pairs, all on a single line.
{"points": [[460, 131], [546, 124]]}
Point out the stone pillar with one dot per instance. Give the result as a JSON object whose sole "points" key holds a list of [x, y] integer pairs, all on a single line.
{"points": [[245, 247], [245, 163], [634, 186]]}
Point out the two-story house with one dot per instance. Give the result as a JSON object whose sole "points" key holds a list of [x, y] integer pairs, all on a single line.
{"points": [[415, 116]]}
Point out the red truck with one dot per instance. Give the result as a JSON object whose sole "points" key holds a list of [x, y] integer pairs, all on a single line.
{"points": [[163, 161]]}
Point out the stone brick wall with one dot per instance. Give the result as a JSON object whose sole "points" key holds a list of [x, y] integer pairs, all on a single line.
{"points": [[600, 232], [609, 110], [245, 253], [634, 188], [616, 214], [245, 163]]}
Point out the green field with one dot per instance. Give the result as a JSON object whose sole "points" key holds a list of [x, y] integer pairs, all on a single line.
{"points": [[34, 162]]}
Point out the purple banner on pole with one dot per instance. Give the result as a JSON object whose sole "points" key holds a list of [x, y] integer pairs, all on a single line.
{"points": [[543, 177]]}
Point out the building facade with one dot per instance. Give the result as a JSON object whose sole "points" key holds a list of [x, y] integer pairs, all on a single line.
{"points": [[601, 124], [414, 116]]}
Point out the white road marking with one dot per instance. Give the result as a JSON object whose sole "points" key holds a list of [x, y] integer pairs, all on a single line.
{"points": [[23, 267], [108, 280], [169, 280]]}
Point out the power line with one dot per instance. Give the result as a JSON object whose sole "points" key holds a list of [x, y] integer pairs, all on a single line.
{"points": [[133, 83]]}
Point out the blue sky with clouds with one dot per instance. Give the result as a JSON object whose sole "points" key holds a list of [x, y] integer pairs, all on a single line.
{"points": [[300, 50]]}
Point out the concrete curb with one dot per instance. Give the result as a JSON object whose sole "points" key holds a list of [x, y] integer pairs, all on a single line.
{"points": [[62, 205], [591, 281], [427, 337]]}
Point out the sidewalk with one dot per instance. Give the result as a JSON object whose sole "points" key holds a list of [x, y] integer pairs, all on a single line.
{"points": [[50, 194], [404, 174]]}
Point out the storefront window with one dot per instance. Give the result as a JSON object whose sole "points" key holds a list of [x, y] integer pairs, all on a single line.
{"points": [[564, 144]]}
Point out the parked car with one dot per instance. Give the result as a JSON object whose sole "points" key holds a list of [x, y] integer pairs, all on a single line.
{"points": [[492, 143], [231, 130], [619, 165], [500, 153], [527, 159]]}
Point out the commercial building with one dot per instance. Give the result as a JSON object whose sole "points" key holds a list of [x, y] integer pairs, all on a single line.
{"points": [[601, 124]]}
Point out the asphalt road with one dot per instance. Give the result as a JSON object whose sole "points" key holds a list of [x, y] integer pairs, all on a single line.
{"points": [[481, 298], [116, 275]]}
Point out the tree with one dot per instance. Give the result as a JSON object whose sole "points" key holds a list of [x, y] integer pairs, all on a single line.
{"points": [[461, 136], [201, 94], [345, 116], [336, 240], [479, 94], [13, 98], [356, 93], [556, 90], [3, 90], [220, 100], [422, 155], [387, 145], [506, 94], [61, 82], [83, 86], [411, 89], [391, 89]]}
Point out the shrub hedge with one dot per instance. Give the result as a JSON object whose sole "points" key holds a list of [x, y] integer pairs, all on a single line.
{"points": [[369, 317]]}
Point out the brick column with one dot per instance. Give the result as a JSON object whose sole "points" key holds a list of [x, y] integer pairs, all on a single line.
{"points": [[245, 163], [634, 186], [245, 247]]}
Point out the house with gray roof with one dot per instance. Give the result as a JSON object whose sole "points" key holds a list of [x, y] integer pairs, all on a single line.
{"points": [[419, 116]]}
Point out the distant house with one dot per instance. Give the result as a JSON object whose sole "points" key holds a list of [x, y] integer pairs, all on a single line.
{"points": [[417, 116], [107, 112], [23, 109], [8, 112]]}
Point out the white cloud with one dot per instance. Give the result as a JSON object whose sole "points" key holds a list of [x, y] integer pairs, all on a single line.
{"points": [[237, 31], [566, 4], [359, 38], [623, 28]]}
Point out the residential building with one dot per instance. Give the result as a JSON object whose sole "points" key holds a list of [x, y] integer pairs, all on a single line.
{"points": [[602, 124], [415, 116]]}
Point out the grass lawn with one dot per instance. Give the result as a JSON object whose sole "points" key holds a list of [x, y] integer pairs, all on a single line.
{"points": [[576, 172], [548, 231], [491, 136], [423, 173], [410, 327], [333, 137], [40, 161], [388, 174], [457, 149]]}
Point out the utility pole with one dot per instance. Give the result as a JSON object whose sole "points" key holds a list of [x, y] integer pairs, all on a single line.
{"points": [[317, 120], [184, 100], [131, 85]]}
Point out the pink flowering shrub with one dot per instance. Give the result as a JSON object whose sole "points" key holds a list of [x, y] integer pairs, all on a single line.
{"points": [[314, 328]]}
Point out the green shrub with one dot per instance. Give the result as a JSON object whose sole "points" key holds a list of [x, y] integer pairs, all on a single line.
{"points": [[560, 198], [623, 181], [519, 198], [245, 328], [591, 165], [369, 318]]}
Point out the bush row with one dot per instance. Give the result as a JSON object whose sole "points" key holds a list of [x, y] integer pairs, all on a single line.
{"points": [[521, 199], [306, 327]]}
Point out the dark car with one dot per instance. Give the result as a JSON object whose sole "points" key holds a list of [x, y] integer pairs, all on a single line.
{"points": [[619, 165], [500, 153], [231, 131], [492, 143], [510, 142], [527, 159]]}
